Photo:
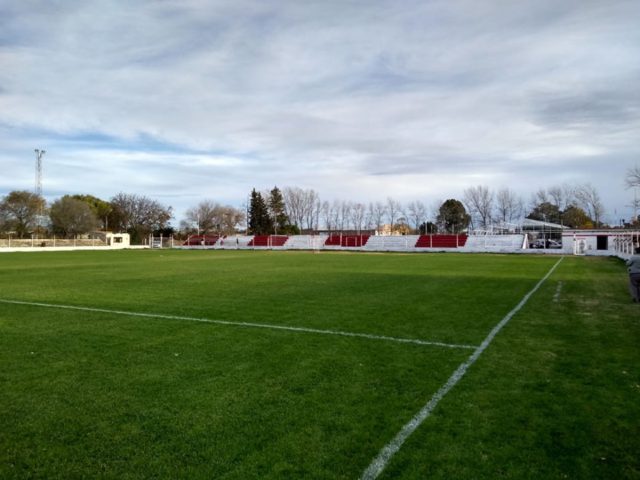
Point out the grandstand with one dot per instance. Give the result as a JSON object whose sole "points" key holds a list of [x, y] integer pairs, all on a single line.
{"points": [[365, 242], [592, 242]]}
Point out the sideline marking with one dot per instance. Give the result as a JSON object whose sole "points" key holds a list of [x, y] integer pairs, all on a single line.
{"points": [[380, 462], [244, 324]]}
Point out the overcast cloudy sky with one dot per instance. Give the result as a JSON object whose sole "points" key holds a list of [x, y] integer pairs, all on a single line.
{"points": [[183, 100]]}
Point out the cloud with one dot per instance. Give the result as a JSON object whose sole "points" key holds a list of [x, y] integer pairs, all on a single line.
{"points": [[354, 99]]}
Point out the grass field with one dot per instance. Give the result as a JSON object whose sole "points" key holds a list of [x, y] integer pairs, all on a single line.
{"points": [[99, 393]]}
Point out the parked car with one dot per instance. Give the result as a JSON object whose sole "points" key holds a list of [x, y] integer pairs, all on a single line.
{"points": [[542, 243], [553, 244]]}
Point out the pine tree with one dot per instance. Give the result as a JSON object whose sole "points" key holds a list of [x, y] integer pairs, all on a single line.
{"points": [[277, 211], [259, 220]]}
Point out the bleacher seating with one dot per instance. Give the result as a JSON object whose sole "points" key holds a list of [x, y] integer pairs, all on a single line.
{"points": [[483, 243], [268, 241], [339, 240], [201, 240], [381, 243], [299, 242], [441, 241], [305, 242], [241, 241], [391, 242]]}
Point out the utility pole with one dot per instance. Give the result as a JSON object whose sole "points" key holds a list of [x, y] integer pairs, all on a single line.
{"points": [[38, 187], [39, 155]]}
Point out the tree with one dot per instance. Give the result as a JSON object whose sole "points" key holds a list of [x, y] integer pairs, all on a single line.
{"points": [[311, 209], [402, 227], [327, 215], [575, 217], [100, 207], [4, 221], [358, 212], [633, 177], [204, 216], [428, 228], [541, 196], [232, 218], [138, 215], [70, 216], [377, 212], [417, 212], [479, 201], [336, 219], [562, 195], [452, 216], [393, 211], [303, 207], [294, 203], [345, 214], [508, 206], [19, 211], [545, 212], [278, 213], [211, 217], [589, 199], [312, 218], [259, 219]]}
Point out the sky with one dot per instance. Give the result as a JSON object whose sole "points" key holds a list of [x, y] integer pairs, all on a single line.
{"points": [[186, 100]]}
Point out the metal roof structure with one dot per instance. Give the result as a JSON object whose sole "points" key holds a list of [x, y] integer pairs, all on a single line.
{"points": [[540, 225]]}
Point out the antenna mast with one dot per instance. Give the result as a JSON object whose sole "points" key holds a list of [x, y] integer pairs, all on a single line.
{"points": [[39, 154]]}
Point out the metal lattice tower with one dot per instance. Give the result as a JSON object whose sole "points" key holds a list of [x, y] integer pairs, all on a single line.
{"points": [[39, 154]]}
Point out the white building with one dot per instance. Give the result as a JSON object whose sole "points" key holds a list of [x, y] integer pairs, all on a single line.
{"points": [[600, 242]]}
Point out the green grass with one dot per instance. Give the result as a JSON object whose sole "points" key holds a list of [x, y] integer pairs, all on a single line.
{"points": [[101, 395]]}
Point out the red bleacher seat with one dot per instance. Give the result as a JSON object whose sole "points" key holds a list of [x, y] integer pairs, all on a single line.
{"points": [[441, 241], [268, 240], [199, 240], [337, 240]]}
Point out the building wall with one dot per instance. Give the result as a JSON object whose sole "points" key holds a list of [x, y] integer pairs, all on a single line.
{"points": [[599, 242], [118, 240]]}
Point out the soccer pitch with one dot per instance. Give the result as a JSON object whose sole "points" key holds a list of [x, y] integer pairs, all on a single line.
{"points": [[243, 364]]}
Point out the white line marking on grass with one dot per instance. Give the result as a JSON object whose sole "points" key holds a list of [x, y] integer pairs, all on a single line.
{"points": [[380, 462], [243, 324], [556, 296]]}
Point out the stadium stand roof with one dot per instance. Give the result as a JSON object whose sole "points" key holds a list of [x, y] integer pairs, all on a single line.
{"points": [[538, 224]]}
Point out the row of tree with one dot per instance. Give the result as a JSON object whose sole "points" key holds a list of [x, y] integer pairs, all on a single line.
{"points": [[575, 206], [24, 213], [293, 210], [296, 209]]}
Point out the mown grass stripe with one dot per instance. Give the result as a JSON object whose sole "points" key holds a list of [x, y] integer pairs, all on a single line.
{"points": [[381, 461], [243, 324]]}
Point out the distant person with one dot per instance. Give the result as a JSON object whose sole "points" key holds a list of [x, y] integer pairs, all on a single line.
{"points": [[633, 265]]}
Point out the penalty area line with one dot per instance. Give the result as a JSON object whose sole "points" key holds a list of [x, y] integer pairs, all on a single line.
{"points": [[388, 451], [341, 333]]}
